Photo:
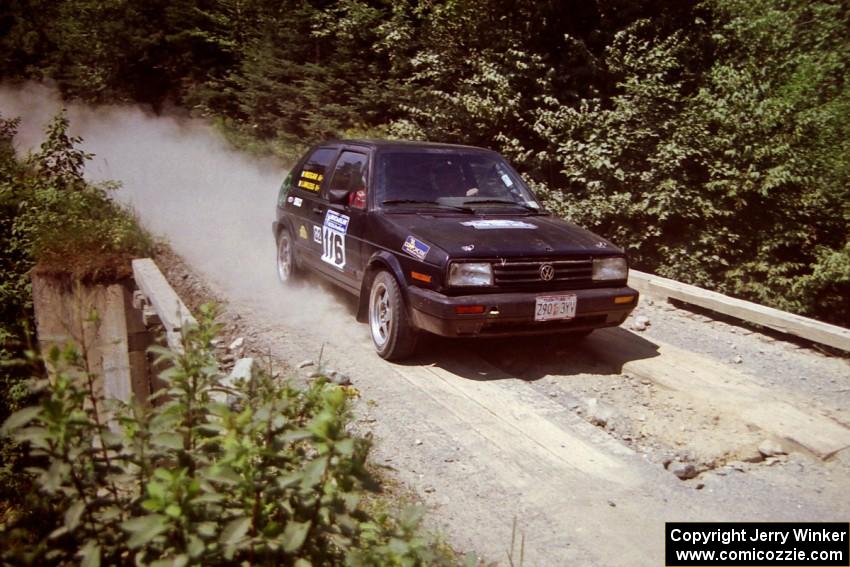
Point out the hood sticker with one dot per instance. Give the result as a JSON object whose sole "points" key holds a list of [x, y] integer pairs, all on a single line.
{"points": [[333, 239], [415, 248], [489, 224]]}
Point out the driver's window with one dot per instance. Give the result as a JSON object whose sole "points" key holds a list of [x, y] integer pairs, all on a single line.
{"points": [[350, 175]]}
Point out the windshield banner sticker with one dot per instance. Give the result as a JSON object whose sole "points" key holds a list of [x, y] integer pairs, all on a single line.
{"points": [[333, 239], [489, 224], [415, 248]]}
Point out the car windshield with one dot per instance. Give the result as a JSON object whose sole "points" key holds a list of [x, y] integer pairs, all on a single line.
{"points": [[452, 179]]}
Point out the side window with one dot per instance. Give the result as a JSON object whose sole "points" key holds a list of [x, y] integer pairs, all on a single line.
{"points": [[350, 174], [313, 173]]}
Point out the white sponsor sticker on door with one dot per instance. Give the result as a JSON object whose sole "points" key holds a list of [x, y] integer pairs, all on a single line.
{"points": [[333, 239]]}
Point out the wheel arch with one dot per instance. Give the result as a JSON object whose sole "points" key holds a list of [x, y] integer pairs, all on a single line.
{"points": [[282, 224], [381, 260]]}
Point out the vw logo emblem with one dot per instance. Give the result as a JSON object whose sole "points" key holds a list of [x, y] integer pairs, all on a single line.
{"points": [[547, 272]]}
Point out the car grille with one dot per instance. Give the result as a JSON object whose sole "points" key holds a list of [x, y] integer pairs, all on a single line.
{"points": [[569, 273]]}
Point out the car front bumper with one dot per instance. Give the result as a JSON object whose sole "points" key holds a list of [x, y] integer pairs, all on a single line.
{"points": [[513, 313]]}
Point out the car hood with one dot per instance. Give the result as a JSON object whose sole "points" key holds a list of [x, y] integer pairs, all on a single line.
{"points": [[503, 236]]}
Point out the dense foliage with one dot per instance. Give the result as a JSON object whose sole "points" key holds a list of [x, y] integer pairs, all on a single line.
{"points": [[709, 139], [258, 472], [15, 302], [50, 220]]}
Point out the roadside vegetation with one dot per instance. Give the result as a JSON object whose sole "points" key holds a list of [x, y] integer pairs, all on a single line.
{"points": [[708, 138], [51, 220], [258, 473]]}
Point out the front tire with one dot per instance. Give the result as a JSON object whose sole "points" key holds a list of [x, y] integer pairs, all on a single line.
{"points": [[286, 268], [393, 336]]}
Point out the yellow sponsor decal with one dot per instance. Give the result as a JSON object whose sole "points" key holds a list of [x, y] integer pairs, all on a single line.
{"points": [[302, 232], [312, 175], [308, 185]]}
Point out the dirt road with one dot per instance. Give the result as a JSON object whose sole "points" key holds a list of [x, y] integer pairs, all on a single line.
{"points": [[577, 442], [559, 437]]}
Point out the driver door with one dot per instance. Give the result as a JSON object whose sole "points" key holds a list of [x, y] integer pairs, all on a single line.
{"points": [[344, 221]]}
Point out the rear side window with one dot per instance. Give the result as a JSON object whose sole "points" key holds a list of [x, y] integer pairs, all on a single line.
{"points": [[313, 173]]}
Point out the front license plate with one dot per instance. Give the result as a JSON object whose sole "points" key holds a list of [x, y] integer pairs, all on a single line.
{"points": [[551, 307]]}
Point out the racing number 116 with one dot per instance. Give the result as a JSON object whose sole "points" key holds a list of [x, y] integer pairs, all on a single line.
{"points": [[333, 247]]}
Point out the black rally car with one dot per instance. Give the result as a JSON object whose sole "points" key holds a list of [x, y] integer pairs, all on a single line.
{"points": [[445, 239]]}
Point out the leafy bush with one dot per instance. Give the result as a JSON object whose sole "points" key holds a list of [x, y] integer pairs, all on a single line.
{"points": [[51, 220], [15, 306], [71, 226], [723, 159], [268, 476], [15, 263]]}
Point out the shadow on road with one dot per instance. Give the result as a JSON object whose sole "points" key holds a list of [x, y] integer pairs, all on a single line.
{"points": [[532, 358], [528, 358]]}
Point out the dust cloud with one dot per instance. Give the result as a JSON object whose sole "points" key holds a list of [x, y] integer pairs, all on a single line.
{"points": [[213, 204]]}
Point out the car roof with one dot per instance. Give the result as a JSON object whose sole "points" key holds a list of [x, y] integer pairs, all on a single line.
{"points": [[406, 145]]}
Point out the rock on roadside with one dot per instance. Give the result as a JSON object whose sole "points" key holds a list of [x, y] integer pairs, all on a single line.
{"points": [[683, 471], [640, 323], [770, 448]]}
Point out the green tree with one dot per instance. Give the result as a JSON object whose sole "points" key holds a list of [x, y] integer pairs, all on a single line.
{"points": [[777, 142], [734, 178]]}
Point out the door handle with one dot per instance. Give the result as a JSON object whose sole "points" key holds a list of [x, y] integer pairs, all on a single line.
{"points": [[318, 210]]}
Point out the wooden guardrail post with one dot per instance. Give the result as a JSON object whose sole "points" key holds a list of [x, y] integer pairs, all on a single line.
{"points": [[166, 304], [816, 331]]}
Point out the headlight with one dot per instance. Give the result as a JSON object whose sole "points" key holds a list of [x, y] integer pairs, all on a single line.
{"points": [[470, 273], [610, 269]]}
